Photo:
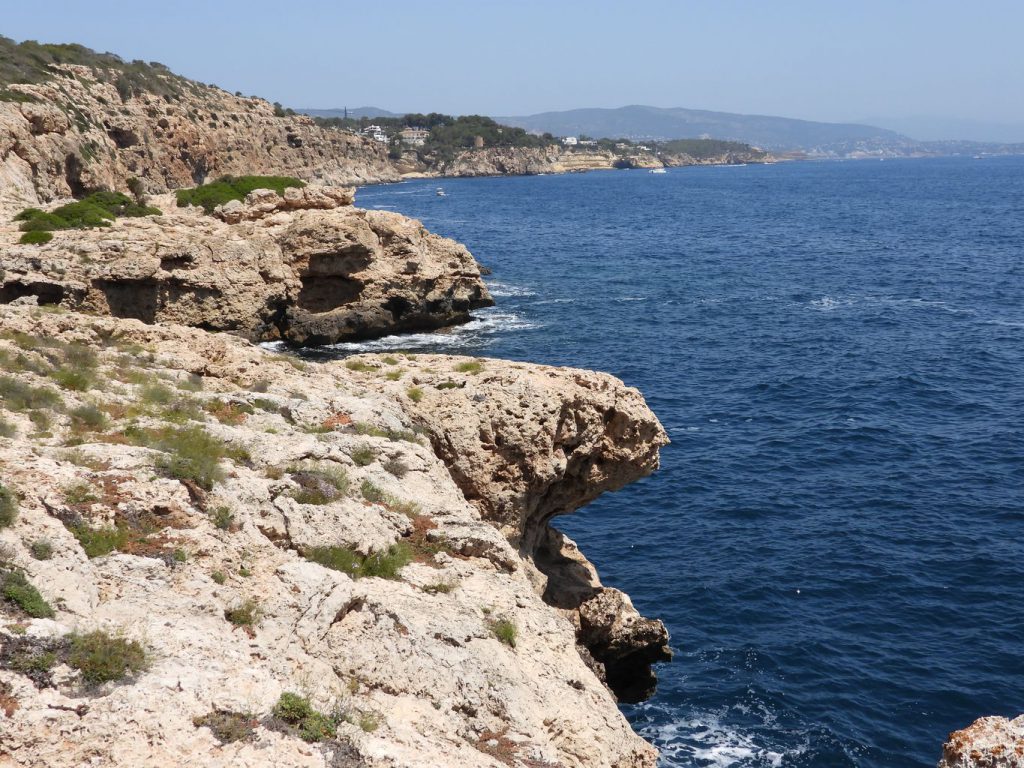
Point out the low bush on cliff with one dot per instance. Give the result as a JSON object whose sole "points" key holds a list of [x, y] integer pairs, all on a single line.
{"points": [[228, 188], [16, 589], [295, 711], [95, 210], [505, 631], [8, 506], [382, 565], [36, 238], [102, 658], [191, 453]]}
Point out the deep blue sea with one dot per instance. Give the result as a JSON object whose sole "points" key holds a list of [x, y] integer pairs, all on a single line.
{"points": [[836, 536]]}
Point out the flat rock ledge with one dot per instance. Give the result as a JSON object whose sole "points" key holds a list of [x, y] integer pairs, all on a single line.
{"points": [[306, 267], [459, 659], [989, 742]]}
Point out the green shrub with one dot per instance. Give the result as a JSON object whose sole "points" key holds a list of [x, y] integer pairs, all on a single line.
{"points": [[359, 365], [393, 375], [88, 418], [383, 565], [228, 188], [505, 631], [373, 493], [19, 396], [36, 238], [415, 394], [8, 506], [95, 210], [319, 484], [245, 614], [297, 712], [222, 518], [75, 380], [470, 366], [218, 577], [97, 542], [191, 453], [80, 493], [103, 658], [41, 549], [155, 393], [16, 589], [227, 727], [364, 455], [7, 429]]}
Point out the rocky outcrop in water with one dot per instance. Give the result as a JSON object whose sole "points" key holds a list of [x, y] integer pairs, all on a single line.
{"points": [[990, 742], [306, 267], [78, 132], [526, 443], [178, 495]]}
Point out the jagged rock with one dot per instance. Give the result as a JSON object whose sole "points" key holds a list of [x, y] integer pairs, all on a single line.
{"points": [[415, 660], [989, 742], [306, 267], [527, 443]]}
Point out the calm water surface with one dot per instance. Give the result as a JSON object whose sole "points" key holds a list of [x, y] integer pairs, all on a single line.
{"points": [[836, 537]]}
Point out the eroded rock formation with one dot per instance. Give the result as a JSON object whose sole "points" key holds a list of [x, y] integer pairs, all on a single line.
{"points": [[79, 133], [457, 661], [306, 267], [526, 443]]}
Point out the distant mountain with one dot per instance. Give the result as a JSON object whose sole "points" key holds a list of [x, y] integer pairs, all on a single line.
{"points": [[774, 133], [938, 128], [356, 112]]}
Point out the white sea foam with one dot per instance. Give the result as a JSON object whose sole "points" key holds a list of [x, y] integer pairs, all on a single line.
{"points": [[486, 325], [504, 289], [704, 740]]}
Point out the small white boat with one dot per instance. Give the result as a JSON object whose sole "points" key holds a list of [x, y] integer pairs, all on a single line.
{"points": [[440, 192], [657, 170]]}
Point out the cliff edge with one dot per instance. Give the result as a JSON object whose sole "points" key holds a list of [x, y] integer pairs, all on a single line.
{"points": [[216, 555]]}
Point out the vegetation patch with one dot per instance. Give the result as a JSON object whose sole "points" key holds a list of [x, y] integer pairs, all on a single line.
{"points": [[320, 484], [377, 495], [228, 188], [41, 549], [299, 715], [37, 237], [95, 210], [8, 506], [103, 658], [415, 394], [364, 455], [17, 590], [227, 726], [192, 454], [246, 614], [470, 366], [359, 365], [383, 565], [505, 630], [17, 395]]}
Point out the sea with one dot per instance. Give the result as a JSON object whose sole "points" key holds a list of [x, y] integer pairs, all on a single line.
{"points": [[835, 538]]}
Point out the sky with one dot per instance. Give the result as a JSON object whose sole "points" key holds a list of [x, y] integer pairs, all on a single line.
{"points": [[936, 65]]}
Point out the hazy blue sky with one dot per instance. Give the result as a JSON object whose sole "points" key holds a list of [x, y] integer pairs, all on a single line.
{"points": [[819, 59]]}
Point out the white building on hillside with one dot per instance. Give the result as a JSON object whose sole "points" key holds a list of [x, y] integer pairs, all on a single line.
{"points": [[570, 141], [376, 133]]}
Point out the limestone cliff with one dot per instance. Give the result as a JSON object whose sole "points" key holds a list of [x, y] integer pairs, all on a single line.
{"points": [[262, 527], [306, 267], [76, 132], [990, 742], [526, 443]]}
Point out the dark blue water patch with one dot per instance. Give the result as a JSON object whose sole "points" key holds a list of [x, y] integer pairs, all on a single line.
{"points": [[837, 351]]}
